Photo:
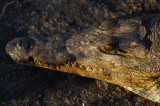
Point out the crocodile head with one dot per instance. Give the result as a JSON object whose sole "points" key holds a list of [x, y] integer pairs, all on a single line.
{"points": [[117, 54]]}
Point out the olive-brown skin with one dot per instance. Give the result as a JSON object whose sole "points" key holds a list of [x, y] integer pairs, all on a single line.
{"points": [[122, 55]]}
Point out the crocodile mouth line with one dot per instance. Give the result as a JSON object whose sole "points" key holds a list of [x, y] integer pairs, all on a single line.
{"points": [[75, 65], [69, 64]]}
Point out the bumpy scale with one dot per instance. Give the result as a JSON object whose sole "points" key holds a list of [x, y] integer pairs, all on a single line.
{"points": [[127, 54]]}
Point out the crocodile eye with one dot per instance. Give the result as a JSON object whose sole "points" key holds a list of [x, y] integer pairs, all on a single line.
{"points": [[110, 49]]}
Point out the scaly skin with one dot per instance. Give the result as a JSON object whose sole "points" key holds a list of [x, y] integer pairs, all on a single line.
{"points": [[126, 53]]}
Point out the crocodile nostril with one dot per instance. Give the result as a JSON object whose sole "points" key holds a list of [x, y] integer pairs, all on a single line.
{"points": [[23, 44], [20, 44]]}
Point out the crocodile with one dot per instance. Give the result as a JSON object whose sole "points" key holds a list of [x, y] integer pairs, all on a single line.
{"points": [[124, 51]]}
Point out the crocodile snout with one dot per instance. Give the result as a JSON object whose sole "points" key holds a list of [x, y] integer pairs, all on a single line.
{"points": [[18, 48]]}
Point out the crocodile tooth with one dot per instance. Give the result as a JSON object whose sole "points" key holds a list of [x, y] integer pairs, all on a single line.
{"points": [[88, 69], [49, 65], [52, 66], [107, 71], [71, 64], [148, 68], [46, 65], [82, 67], [68, 64], [75, 65], [100, 69], [57, 67], [94, 70]]}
